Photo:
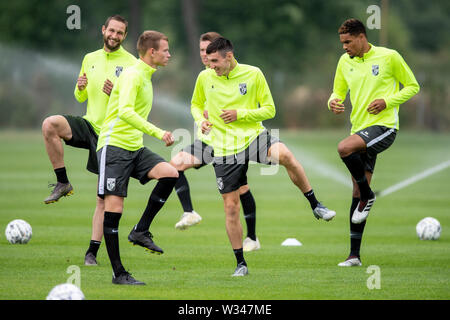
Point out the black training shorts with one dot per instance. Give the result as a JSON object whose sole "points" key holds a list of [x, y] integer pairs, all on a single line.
{"points": [[84, 136], [231, 171], [377, 139], [203, 152], [117, 165]]}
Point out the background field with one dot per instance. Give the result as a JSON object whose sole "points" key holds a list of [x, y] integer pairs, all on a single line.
{"points": [[198, 262]]}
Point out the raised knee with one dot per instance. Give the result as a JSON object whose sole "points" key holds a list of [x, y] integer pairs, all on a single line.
{"points": [[171, 172], [343, 149], [285, 157], [48, 125]]}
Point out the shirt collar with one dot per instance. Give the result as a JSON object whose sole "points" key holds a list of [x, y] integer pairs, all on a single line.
{"points": [[114, 53], [233, 72], [148, 70], [368, 54]]}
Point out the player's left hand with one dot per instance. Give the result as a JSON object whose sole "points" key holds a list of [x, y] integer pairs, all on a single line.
{"points": [[168, 138], [376, 106], [107, 87], [229, 116]]}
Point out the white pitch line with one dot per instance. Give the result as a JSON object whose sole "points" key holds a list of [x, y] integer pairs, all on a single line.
{"points": [[415, 178]]}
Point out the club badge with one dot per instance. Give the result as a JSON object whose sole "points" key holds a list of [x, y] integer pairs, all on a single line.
{"points": [[220, 183], [375, 69], [111, 184], [243, 88], [119, 70]]}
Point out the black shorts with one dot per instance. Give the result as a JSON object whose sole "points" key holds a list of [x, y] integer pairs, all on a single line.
{"points": [[377, 139], [231, 171], [84, 136], [117, 165], [200, 150]]}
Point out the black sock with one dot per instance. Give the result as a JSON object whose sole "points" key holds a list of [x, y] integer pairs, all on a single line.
{"points": [[111, 234], [311, 198], [356, 167], [239, 253], [183, 192], [61, 175], [356, 231], [94, 245], [157, 199], [249, 207]]}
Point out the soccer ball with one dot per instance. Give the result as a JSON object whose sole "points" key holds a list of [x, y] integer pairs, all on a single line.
{"points": [[428, 229], [65, 291], [18, 231]]}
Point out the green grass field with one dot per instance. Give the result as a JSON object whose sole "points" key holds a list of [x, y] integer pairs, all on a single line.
{"points": [[198, 262]]}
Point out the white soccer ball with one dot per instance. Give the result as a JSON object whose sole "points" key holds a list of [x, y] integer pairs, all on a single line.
{"points": [[18, 231], [428, 229], [65, 291]]}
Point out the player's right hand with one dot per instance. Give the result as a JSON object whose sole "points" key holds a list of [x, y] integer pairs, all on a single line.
{"points": [[168, 138], [336, 106], [82, 82], [206, 127]]}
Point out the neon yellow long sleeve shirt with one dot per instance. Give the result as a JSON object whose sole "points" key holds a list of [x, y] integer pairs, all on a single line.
{"points": [[128, 109], [99, 66], [245, 89], [377, 75]]}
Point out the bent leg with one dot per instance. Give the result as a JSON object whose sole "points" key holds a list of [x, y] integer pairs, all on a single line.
{"points": [[279, 153], [55, 128], [183, 161]]}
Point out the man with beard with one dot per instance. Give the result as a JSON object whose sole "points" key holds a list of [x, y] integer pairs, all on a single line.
{"points": [[99, 71]]}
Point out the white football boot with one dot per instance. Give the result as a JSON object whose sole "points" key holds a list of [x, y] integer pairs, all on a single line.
{"points": [[188, 219], [322, 212], [251, 245], [351, 262], [240, 271], [362, 210]]}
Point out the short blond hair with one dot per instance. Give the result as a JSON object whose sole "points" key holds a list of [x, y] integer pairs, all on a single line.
{"points": [[210, 36], [149, 39]]}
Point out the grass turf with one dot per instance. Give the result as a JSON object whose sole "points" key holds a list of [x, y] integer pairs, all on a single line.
{"points": [[198, 262]]}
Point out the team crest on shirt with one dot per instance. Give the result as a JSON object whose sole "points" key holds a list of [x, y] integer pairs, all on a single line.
{"points": [[119, 70], [220, 183], [243, 88], [375, 69], [111, 184]]}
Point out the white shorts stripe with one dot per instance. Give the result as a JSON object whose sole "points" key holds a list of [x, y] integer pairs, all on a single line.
{"points": [[101, 175], [379, 138]]}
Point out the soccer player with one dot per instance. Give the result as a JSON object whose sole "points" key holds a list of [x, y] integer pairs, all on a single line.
{"points": [[199, 154], [238, 99], [121, 152], [98, 73], [372, 75]]}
